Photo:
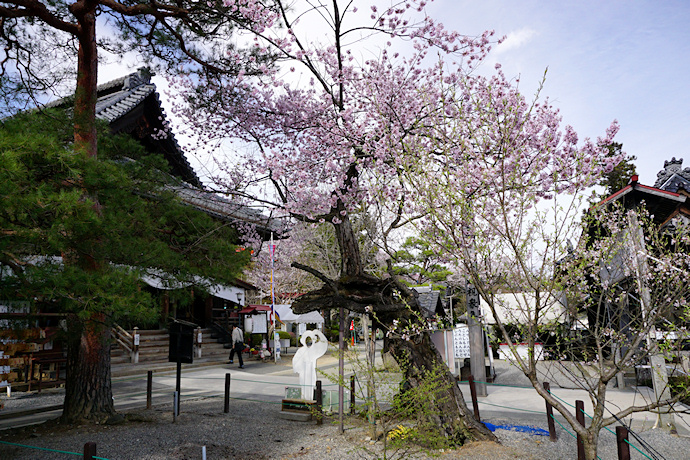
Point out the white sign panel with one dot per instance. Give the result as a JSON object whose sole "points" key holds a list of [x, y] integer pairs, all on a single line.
{"points": [[461, 341], [260, 324]]}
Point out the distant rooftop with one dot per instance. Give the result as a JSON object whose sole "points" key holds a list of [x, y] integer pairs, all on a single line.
{"points": [[673, 177], [130, 104]]}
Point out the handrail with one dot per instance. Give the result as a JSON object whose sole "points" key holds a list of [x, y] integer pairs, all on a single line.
{"points": [[122, 337], [220, 329]]}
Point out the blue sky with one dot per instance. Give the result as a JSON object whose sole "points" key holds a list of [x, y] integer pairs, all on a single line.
{"points": [[624, 60], [606, 60]]}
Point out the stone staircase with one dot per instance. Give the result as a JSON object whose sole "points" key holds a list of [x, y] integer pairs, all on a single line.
{"points": [[153, 348]]}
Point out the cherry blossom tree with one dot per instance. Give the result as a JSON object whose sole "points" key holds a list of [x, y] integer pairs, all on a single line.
{"points": [[312, 245], [331, 134], [394, 118]]}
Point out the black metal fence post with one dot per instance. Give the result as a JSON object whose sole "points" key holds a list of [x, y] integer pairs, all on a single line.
{"points": [[580, 415], [89, 450], [227, 393], [622, 441], [149, 388], [319, 403], [178, 385], [549, 416]]}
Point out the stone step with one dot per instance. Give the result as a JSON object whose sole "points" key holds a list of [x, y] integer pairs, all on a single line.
{"points": [[153, 348]]}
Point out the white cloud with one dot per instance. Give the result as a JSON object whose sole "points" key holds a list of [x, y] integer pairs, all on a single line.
{"points": [[516, 39]]}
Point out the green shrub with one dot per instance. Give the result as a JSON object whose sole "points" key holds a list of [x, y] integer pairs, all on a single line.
{"points": [[680, 385], [288, 335]]}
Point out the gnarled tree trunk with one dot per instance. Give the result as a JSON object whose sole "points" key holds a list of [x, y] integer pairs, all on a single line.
{"points": [[450, 412], [358, 291]]}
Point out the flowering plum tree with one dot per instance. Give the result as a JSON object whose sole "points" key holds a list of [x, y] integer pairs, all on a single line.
{"points": [[502, 197], [393, 117]]}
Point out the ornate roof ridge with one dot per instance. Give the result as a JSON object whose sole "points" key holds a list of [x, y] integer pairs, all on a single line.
{"points": [[673, 177]]}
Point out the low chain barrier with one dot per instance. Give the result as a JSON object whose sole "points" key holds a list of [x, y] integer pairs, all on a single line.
{"points": [[89, 450], [621, 432]]}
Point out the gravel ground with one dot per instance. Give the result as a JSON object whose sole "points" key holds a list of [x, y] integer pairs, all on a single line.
{"points": [[29, 400], [253, 431]]}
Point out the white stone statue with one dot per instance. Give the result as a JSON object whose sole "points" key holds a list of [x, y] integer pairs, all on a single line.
{"points": [[304, 361]]}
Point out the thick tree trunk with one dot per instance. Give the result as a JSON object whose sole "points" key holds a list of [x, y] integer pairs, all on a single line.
{"points": [[88, 390], [358, 291], [350, 256], [449, 411]]}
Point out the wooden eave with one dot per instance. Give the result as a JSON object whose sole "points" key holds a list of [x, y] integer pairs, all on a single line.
{"points": [[660, 203]]}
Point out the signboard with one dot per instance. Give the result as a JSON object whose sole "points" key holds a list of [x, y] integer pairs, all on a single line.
{"points": [[461, 341], [260, 325], [473, 308], [181, 341]]}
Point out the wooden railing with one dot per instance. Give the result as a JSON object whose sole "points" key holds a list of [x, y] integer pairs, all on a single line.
{"points": [[129, 342], [123, 338]]}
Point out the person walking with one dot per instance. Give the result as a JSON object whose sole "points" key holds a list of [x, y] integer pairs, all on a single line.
{"points": [[237, 345]]}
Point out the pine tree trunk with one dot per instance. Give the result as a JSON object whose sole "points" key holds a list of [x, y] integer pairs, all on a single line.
{"points": [[88, 389], [87, 79]]}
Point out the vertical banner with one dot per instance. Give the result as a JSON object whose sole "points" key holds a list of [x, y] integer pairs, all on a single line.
{"points": [[276, 346]]}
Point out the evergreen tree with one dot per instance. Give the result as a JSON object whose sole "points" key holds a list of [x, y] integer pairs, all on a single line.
{"points": [[419, 263], [83, 258], [620, 175]]}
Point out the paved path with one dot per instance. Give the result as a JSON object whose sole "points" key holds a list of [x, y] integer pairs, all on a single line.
{"points": [[267, 382]]}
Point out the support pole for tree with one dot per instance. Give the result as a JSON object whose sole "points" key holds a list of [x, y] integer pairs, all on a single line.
{"points": [[370, 352], [477, 361], [657, 362], [473, 393], [352, 394], [549, 415], [580, 416]]}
